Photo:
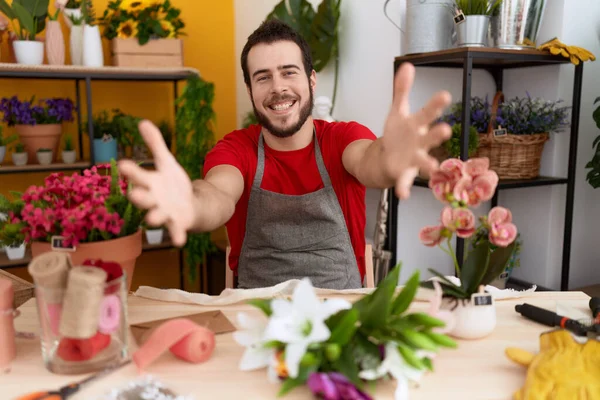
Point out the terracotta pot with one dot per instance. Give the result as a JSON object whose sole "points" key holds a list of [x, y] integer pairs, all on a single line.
{"points": [[124, 251], [40, 136], [55, 43]]}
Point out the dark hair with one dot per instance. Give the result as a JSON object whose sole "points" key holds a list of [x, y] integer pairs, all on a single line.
{"points": [[271, 31]]}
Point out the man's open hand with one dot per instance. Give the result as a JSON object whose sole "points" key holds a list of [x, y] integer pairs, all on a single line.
{"points": [[408, 138], [165, 192]]}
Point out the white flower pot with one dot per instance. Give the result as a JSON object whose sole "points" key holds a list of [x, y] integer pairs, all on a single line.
{"points": [[470, 321], [76, 41], [19, 159], [44, 157], [29, 52], [154, 236], [15, 253], [68, 157], [92, 47], [2, 153], [71, 12]]}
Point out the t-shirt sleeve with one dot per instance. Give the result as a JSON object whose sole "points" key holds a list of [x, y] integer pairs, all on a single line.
{"points": [[353, 131], [227, 151]]}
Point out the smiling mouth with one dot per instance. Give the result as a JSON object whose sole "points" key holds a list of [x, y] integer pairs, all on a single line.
{"points": [[283, 106]]}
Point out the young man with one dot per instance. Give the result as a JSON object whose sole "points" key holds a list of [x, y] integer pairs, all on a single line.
{"points": [[291, 190]]}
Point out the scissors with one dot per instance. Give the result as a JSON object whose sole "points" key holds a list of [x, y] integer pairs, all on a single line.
{"points": [[69, 390]]}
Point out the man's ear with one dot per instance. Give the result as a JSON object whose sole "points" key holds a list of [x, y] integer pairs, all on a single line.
{"points": [[313, 80]]}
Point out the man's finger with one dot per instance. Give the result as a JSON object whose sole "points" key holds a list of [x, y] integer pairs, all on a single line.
{"points": [[142, 198], [155, 217], [405, 182], [155, 141], [437, 135], [134, 173], [433, 109], [403, 82], [426, 163], [178, 235]]}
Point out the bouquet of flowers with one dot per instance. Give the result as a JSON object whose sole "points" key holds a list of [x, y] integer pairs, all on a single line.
{"points": [[47, 111], [81, 208], [141, 19], [460, 185], [334, 346], [528, 116]]}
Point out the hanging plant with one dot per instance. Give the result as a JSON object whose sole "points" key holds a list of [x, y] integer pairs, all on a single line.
{"points": [[593, 176], [194, 138], [319, 29]]}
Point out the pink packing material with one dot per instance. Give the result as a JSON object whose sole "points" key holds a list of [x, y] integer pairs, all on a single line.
{"points": [[185, 339]]}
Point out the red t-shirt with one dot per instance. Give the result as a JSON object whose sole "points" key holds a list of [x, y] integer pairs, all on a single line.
{"points": [[295, 173]]}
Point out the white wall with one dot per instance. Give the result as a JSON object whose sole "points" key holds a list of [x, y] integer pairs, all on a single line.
{"points": [[368, 45]]}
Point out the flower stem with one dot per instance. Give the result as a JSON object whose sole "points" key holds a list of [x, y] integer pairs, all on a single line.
{"points": [[453, 255]]}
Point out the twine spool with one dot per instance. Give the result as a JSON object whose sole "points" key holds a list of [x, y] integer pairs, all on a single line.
{"points": [[50, 271], [81, 305]]}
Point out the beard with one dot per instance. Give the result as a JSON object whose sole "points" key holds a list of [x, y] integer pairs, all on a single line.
{"points": [[285, 131]]}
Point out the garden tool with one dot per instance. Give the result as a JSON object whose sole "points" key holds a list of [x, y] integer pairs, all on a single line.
{"points": [[564, 368], [574, 53]]}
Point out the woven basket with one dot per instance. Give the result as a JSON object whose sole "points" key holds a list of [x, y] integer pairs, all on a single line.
{"points": [[511, 156]]}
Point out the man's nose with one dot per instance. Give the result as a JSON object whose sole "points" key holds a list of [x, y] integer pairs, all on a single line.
{"points": [[279, 85]]}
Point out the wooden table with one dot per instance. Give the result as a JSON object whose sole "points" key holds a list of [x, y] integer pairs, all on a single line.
{"points": [[476, 370]]}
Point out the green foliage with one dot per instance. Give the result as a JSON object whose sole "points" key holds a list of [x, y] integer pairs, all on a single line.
{"points": [[68, 143], [167, 133], [101, 124], [6, 141], [194, 138], [19, 147], [30, 14], [478, 7], [73, 4], [452, 145], [44, 150], [11, 233], [88, 13], [593, 176], [319, 29]]}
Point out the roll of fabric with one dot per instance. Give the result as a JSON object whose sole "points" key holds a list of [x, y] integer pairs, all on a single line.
{"points": [[82, 349], [110, 314], [81, 305], [50, 272], [8, 350], [187, 340]]}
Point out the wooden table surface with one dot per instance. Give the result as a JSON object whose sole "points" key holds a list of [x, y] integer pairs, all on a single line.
{"points": [[475, 370]]}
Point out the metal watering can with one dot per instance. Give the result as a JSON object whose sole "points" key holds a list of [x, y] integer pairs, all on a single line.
{"points": [[429, 25]]}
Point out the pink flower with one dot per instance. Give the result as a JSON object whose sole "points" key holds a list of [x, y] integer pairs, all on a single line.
{"points": [[459, 220], [99, 218], [443, 181], [453, 167], [473, 191], [431, 236], [502, 232], [476, 166]]}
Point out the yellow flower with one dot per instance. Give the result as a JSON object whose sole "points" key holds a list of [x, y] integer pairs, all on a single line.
{"points": [[127, 30], [168, 28], [134, 5]]}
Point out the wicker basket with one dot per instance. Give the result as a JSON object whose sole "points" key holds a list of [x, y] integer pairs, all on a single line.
{"points": [[511, 156]]}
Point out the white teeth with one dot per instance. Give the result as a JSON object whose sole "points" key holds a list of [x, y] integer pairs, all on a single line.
{"points": [[281, 107]]}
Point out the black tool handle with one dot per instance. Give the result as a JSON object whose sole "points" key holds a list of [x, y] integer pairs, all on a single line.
{"points": [[550, 318], [595, 306]]}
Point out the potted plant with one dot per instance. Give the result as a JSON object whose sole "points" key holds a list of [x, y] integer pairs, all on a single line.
{"points": [[30, 16], [44, 156], [4, 142], [139, 31], [87, 214], [93, 55], [68, 153], [12, 238], [460, 185], [105, 143], [19, 155], [154, 235], [125, 126], [472, 26], [55, 41], [72, 11], [38, 124], [593, 175], [167, 133]]}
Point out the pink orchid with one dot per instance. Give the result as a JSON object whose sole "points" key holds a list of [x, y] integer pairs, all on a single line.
{"points": [[473, 191], [453, 167], [432, 236], [435, 310], [459, 220], [502, 232], [443, 181], [476, 166]]}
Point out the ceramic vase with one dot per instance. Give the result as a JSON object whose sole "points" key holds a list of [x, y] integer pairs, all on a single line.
{"points": [[471, 321], [76, 42], [92, 47], [29, 52], [55, 43]]}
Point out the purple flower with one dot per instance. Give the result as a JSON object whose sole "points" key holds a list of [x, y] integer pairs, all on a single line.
{"points": [[334, 386], [49, 111]]}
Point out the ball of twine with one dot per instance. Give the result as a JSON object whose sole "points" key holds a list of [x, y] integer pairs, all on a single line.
{"points": [[81, 305], [49, 272]]}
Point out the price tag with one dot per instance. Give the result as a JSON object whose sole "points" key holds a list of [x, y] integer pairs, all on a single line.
{"points": [[500, 131], [482, 299], [58, 243], [459, 17]]}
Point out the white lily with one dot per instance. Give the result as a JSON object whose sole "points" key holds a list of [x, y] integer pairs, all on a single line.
{"points": [[251, 336], [301, 322], [395, 365]]}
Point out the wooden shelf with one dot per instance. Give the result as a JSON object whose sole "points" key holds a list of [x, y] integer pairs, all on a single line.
{"points": [[13, 169]]}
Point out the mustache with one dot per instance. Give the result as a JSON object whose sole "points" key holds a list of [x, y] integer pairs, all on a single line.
{"points": [[279, 98]]}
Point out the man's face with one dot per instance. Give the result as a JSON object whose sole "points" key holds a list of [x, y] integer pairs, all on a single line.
{"points": [[281, 94]]}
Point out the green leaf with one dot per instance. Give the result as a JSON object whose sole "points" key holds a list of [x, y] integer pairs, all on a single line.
{"points": [[410, 357], [345, 329], [418, 340], [440, 339], [7, 10], [262, 304], [324, 35], [375, 313], [288, 385], [24, 17], [299, 16], [474, 268], [425, 320], [444, 279], [448, 290], [406, 296], [347, 366], [497, 263]]}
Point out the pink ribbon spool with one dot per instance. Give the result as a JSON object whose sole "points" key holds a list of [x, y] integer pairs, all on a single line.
{"points": [[8, 348], [187, 340]]}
